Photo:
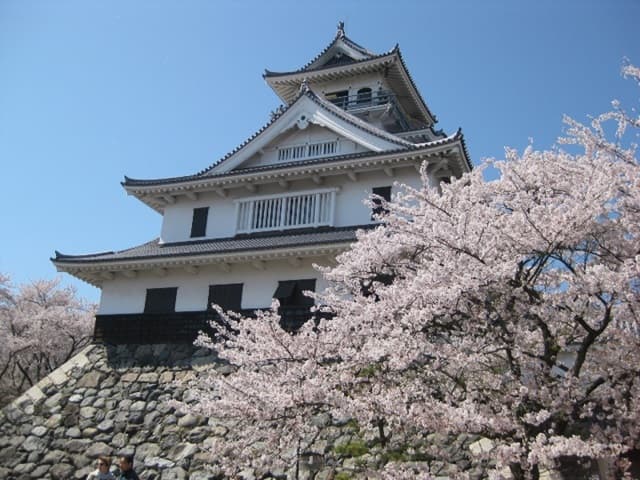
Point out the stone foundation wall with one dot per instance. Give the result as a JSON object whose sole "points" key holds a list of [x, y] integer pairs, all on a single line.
{"points": [[110, 400], [106, 401]]}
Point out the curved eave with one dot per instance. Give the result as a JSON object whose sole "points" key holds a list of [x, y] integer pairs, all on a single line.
{"points": [[287, 84], [95, 272], [339, 37], [153, 194], [273, 77], [304, 92]]}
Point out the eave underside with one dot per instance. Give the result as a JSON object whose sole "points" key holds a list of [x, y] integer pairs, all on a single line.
{"points": [[287, 85], [159, 258], [158, 193]]}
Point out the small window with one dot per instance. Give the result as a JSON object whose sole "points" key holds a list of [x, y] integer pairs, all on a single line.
{"points": [[289, 292], [199, 223], [228, 296], [160, 300], [340, 98], [364, 96], [378, 209]]}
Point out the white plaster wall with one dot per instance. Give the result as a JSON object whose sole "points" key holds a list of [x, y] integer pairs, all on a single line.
{"points": [[372, 80], [350, 207], [221, 223], [127, 295], [311, 134]]}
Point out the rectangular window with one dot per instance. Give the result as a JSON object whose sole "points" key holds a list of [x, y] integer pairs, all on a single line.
{"points": [[228, 296], [384, 192], [289, 292], [160, 300], [199, 223]]}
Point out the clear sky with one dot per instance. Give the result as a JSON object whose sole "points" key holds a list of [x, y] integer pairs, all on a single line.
{"points": [[91, 91]]}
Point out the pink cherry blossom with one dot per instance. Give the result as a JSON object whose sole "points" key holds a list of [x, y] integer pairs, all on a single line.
{"points": [[512, 314]]}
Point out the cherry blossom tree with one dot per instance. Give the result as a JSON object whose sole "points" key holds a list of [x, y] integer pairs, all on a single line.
{"points": [[506, 309], [42, 325]]}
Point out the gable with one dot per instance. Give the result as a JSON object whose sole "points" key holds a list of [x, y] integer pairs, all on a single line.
{"points": [[338, 58], [340, 52], [297, 144], [309, 128]]}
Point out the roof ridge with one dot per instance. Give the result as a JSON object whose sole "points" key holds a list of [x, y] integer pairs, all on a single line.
{"points": [[281, 110], [331, 107], [62, 256], [296, 163], [269, 73], [340, 35]]}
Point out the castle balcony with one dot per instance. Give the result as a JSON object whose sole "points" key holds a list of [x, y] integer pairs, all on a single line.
{"points": [[374, 104], [182, 327], [286, 211]]}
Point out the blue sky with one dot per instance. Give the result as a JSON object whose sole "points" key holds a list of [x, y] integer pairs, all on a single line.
{"points": [[91, 91]]}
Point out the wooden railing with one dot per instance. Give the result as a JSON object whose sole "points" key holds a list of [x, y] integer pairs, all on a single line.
{"points": [[307, 150], [282, 212], [362, 100], [179, 327], [372, 99]]}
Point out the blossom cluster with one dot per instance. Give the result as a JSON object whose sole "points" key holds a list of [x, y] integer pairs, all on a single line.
{"points": [[507, 309]]}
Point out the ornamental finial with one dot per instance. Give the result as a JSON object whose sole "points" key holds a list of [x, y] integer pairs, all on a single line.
{"points": [[304, 87], [340, 29]]}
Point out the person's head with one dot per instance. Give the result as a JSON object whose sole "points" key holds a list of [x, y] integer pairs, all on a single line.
{"points": [[126, 462], [103, 464]]}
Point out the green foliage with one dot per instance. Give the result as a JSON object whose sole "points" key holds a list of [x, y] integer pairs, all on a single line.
{"points": [[395, 455], [368, 371], [355, 448], [353, 425], [343, 476]]}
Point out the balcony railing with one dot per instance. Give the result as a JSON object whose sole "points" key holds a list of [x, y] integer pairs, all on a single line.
{"points": [[180, 327], [369, 100], [307, 150], [282, 212], [362, 100]]}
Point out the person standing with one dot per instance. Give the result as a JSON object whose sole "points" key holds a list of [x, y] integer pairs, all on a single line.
{"points": [[102, 473], [126, 468]]}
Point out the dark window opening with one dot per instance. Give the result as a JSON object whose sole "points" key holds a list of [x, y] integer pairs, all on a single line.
{"points": [[340, 98], [199, 223], [160, 300], [364, 96], [289, 292], [378, 209], [228, 296], [295, 307], [368, 286]]}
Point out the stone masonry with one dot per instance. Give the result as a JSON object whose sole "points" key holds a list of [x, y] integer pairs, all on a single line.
{"points": [[109, 400]]}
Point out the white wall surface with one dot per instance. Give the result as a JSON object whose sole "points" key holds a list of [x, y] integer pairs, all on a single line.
{"points": [[374, 81], [311, 134], [221, 223], [127, 295]]}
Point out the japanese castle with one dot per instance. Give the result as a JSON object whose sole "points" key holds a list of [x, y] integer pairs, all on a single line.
{"points": [[249, 227]]}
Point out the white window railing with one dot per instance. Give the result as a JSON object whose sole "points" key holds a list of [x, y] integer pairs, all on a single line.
{"points": [[307, 150], [282, 212]]}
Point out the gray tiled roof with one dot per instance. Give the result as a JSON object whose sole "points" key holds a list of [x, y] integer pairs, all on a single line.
{"points": [[266, 241], [299, 163], [340, 35], [352, 119], [306, 69], [390, 54], [325, 104]]}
